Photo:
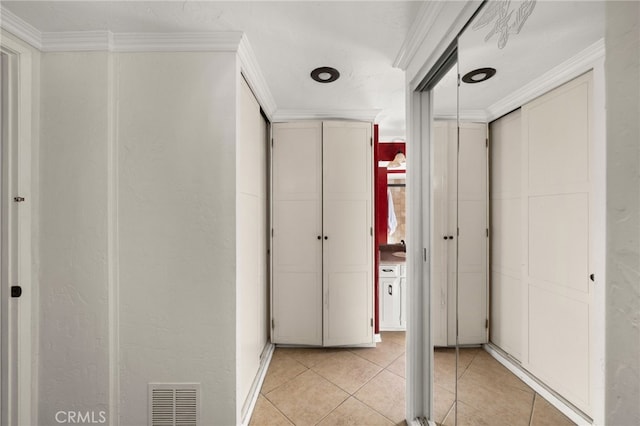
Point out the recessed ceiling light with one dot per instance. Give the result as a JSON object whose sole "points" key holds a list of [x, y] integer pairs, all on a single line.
{"points": [[479, 75], [325, 74]]}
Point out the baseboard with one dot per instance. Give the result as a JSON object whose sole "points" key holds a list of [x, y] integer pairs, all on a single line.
{"points": [[267, 354], [544, 391]]}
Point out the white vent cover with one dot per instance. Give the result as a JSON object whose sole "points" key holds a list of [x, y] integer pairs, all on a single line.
{"points": [[174, 404]]}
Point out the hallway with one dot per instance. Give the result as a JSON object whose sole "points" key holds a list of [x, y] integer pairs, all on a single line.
{"points": [[366, 386]]}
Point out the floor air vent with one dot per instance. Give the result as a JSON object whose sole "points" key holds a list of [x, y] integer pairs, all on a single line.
{"points": [[174, 404]]}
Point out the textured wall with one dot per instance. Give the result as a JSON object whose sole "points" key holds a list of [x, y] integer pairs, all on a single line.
{"points": [[623, 214], [73, 361], [137, 223]]}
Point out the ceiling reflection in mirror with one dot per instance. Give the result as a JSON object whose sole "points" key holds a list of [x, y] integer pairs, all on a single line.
{"points": [[523, 41]]}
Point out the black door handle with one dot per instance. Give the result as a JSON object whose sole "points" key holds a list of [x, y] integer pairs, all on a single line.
{"points": [[16, 291]]}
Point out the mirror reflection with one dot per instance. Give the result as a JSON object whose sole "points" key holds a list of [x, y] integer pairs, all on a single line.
{"points": [[525, 210]]}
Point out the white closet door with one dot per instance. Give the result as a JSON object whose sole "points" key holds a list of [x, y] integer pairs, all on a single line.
{"points": [[440, 248], [297, 224], [348, 251], [557, 143], [506, 234], [472, 240]]}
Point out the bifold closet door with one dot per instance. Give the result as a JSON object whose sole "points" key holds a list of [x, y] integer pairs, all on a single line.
{"points": [[347, 249], [297, 230], [473, 234]]}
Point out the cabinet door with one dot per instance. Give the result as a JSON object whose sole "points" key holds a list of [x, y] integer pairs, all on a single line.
{"points": [[389, 303], [297, 226], [472, 241], [347, 222], [403, 302]]}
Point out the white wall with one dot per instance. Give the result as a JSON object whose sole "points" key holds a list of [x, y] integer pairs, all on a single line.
{"points": [[176, 213], [138, 248], [74, 320], [623, 213]]}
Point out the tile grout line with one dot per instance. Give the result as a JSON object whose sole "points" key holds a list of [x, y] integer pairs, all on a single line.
{"points": [[533, 404]]}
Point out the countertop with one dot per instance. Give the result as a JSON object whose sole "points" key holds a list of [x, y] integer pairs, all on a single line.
{"points": [[388, 258]]}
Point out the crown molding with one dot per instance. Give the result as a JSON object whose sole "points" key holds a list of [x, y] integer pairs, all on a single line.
{"points": [[571, 68], [220, 41], [76, 41], [252, 73], [19, 28], [368, 115], [418, 31]]}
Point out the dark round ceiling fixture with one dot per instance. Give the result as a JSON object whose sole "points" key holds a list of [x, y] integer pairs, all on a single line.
{"points": [[325, 74], [479, 75]]}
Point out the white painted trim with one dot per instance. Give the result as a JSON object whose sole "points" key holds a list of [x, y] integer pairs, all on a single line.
{"points": [[419, 401], [259, 380], [19, 28], [23, 250], [284, 115], [571, 68], [219, 41], [417, 33], [76, 41], [255, 78], [536, 385]]}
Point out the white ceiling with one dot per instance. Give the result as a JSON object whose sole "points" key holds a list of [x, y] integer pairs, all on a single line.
{"points": [[361, 39], [554, 32]]}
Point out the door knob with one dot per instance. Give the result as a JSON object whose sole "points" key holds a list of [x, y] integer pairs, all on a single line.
{"points": [[445, 237], [319, 237], [326, 238]]}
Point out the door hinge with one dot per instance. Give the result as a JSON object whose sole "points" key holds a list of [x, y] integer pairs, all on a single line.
{"points": [[424, 250], [18, 199], [486, 143], [273, 324], [371, 231], [371, 141], [487, 232], [271, 232], [371, 322], [271, 142], [458, 232], [486, 323], [458, 80]]}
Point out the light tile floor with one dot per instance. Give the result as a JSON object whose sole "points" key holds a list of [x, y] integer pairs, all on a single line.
{"points": [[366, 386]]}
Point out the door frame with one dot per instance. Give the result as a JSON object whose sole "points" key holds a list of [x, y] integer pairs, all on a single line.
{"points": [[18, 150]]}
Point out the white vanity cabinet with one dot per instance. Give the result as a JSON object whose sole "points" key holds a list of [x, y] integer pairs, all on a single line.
{"points": [[392, 297]]}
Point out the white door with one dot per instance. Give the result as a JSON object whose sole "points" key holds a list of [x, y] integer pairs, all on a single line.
{"points": [[506, 234], [442, 249], [348, 233], [473, 237], [557, 186], [297, 230]]}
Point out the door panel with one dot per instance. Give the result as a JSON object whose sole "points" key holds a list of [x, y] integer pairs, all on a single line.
{"points": [[556, 131], [506, 234], [472, 239], [297, 223], [347, 221]]}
